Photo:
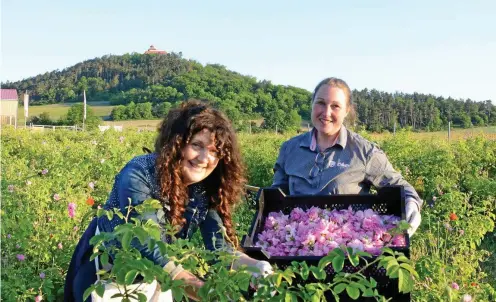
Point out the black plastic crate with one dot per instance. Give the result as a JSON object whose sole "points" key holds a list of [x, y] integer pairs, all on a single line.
{"points": [[389, 200]]}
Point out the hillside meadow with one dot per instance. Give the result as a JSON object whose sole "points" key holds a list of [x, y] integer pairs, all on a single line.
{"points": [[45, 173]]}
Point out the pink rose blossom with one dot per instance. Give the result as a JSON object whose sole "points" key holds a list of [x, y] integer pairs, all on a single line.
{"points": [[44, 171], [56, 196], [20, 257], [318, 231], [71, 208], [454, 285], [38, 298]]}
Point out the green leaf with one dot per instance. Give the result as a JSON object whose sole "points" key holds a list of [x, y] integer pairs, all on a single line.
{"points": [[288, 275], [162, 248], [289, 297], [151, 244], [387, 250], [119, 214], [244, 283], [100, 212], [353, 292], [339, 288], [142, 297], [279, 279], [88, 291], [405, 283], [318, 273], [110, 215], [121, 276], [373, 282], [104, 258], [354, 259], [325, 261], [338, 263], [410, 269], [391, 263], [392, 272], [126, 240], [315, 298], [177, 293], [141, 234], [368, 293], [100, 289], [130, 276], [358, 285]]}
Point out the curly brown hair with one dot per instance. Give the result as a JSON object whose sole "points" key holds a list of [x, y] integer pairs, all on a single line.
{"points": [[224, 185]]}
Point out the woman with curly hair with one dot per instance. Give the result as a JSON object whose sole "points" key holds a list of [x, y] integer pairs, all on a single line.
{"points": [[196, 173]]}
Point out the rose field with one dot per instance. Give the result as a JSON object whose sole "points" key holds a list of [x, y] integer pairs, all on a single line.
{"points": [[53, 182]]}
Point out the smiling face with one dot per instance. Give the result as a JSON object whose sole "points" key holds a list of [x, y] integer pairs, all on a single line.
{"points": [[329, 108], [200, 157]]}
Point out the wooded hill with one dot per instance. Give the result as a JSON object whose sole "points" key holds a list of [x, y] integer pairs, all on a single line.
{"points": [[154, 83]]}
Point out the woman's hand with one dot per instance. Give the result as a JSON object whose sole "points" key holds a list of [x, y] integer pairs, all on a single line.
{"points": [[412, 216], [265, 268], [193, 284]]}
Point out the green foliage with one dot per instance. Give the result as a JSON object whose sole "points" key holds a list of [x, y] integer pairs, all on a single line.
{"points": [[75, 116], [42, 119], [35, 219], [169, 78]]}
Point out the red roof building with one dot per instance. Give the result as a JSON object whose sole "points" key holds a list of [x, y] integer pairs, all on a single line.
{"points": [[8, 106], [8, 94], [153, 50]]}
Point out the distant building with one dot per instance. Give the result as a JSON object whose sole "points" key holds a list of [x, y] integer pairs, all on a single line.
{"points": [[153, 50], [9, 103]]}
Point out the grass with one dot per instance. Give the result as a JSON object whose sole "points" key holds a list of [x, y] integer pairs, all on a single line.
{"points": [[56, 111], [456, 134], [149, 124]]}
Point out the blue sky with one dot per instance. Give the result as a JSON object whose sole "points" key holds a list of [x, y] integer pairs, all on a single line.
{"points": [[445, 48]]}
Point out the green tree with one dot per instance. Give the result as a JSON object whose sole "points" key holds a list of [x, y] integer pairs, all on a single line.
{"points": [[118, 113], [75, 117], [161, 110]]}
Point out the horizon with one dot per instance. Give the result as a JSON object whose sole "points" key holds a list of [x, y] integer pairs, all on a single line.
{"points": [[445, 50]]}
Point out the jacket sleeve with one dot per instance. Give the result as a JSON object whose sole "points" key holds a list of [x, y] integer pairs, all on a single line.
{"points": [[133, 185], [281, 179], [380, 172]]}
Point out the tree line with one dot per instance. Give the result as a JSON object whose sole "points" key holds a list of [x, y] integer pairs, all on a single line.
{"points": [[147, 86]]}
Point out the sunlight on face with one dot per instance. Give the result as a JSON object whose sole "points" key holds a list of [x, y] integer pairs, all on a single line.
{"points": [[200, 157], [329, 109]]}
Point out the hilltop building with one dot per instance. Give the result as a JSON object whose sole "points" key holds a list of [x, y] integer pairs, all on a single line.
{"points": [[153, 50]]}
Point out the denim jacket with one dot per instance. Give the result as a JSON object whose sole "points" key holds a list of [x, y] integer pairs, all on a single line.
{"points": [[137, 181]]}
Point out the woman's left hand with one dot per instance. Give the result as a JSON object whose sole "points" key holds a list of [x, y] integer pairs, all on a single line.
{"points": [[265, 268], [412, 216]]}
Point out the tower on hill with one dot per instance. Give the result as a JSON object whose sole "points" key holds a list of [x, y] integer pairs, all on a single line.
{"points": [[153, 50]]}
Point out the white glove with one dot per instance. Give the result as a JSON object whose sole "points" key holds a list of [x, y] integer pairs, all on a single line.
{"points": [[265, 268], [412, 216]]}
